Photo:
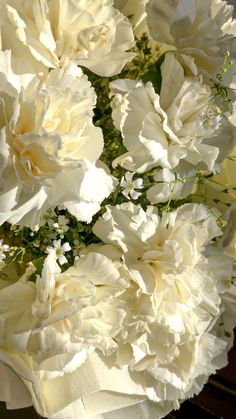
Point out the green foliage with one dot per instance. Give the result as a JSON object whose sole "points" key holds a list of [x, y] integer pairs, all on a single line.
{"points": [[154, 74], [146, 56], [38, 263], [223, 94]]}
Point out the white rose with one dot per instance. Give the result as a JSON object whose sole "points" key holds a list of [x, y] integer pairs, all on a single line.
{"points": [[51, 32], [204, 30], [163, 130], [175, 297], [49, 145]]}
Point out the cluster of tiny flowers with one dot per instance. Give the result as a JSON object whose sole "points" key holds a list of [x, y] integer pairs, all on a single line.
{"points": [[61, 226], [3, 249]]}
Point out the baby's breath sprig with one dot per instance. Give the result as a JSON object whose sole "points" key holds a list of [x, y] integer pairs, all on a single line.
{"points": [[60, 230], [223, 92], [221, 101]]}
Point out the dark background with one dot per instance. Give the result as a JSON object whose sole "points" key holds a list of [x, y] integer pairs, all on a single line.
{"points": [[234, 3], [216, 401]]}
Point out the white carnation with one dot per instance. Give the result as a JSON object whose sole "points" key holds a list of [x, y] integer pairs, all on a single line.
{"points": [[135, 10], [131, 323], [50, 33], [163, 130], [174, 299], [204, 30], [49, 145], [59, 322]]}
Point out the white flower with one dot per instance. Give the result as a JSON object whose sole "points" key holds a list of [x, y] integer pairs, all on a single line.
{"points": [[204, 30], [61, 226], [62, 331], [165, 130], [119, 103], [130, 185], [174, 299], [49, 146], [50, 33], [60, 250], [136, 335], [3, 248], [135, 10], [136, 232]]}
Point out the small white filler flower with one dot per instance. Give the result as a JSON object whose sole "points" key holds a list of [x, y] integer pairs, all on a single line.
{"points": [[130, 185], [3, 248], [60, 250], [61, 226]]}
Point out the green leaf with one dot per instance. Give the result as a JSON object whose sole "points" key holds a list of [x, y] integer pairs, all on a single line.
{"points": [[154, 74], [38, 263]]}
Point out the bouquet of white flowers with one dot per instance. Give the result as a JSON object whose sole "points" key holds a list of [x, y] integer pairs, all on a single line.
{"points": [[117, 203]]}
